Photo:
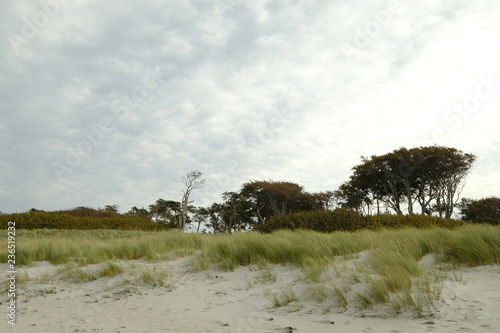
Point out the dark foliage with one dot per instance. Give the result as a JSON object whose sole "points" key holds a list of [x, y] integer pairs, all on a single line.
{"points": [[483, 211], [58, 220], [343, 219]]}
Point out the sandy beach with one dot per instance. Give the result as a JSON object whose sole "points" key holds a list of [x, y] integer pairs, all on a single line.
{"points": [[235, 301]]}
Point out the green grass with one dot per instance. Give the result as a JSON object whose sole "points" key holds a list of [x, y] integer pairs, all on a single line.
{"points": [[156, 277], [283, 297], [472, 245], [70, 272], [96, 246], [383, 263]]}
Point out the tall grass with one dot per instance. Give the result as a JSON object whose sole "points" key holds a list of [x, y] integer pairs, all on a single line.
{"points": [[385, 262], [472, 245], [96, 246]]}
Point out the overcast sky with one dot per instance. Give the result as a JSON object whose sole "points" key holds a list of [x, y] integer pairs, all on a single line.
{"points": [[112, 102]]}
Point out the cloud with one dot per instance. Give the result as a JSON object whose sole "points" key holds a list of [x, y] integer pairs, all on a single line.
{"points": [[239, 90]]}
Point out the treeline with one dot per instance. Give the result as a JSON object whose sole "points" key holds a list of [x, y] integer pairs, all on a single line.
{"points": [[254, 204], [383, 191]]}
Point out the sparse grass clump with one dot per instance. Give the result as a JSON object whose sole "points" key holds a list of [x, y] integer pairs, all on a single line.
{"points": [[71, 272], [283, 297], [156, 276]]}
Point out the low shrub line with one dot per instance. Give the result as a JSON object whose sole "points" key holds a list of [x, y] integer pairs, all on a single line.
{"points": [[349, 220], [57, 220]]}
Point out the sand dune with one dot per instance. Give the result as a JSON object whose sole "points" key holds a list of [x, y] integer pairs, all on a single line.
{"points": [[235, 302]]}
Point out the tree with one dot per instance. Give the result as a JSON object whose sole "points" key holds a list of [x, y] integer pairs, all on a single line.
{"points": [[201, 215], [432, 176], [484, 210], [166, 212], [111, 208], [192, 181], [330, 200], [235, 213], [216, 218], [446, 173], [276, 198], [138, 212]]}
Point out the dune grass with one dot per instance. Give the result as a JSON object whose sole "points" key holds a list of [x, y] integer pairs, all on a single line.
{"points": [[70, 272], [96, 246], [383, 265], [472, 245], [283, 297]]}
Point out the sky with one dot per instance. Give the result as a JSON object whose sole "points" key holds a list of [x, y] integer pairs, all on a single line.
{"points": [[113, 102]]}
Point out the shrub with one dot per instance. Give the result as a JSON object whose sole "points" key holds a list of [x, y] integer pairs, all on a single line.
{"points": [[86, 211], [319, 220], [412, 220], [56, 220], [349, 220]]}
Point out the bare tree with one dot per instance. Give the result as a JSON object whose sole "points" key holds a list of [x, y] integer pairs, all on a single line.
{"points": [[193, 181]]}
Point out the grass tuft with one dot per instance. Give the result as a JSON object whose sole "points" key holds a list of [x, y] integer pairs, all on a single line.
{"points": [[282, 298]]}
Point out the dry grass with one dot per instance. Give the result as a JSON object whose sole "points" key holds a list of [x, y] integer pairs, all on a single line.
{"points": [[383, 264]]}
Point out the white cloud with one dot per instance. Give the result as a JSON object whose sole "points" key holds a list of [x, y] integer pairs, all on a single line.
{"points": [[249, 90]]}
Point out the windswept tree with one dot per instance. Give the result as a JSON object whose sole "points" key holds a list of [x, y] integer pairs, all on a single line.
{"points": [[138, 212], [192, 181], [166, 212], [201, 216], [111, 208], [216, 219], [276, 198], [445, 171], [431, 176], [233, 214]]}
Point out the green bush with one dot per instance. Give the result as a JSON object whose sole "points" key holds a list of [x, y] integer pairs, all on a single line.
{"points": [[349, 220], [412, 220], [481, 211], [56, 220], [319, 220]]}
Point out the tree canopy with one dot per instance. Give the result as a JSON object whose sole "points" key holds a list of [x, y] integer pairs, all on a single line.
{"points": [[431, 176], [275, 198], [485, 210]]}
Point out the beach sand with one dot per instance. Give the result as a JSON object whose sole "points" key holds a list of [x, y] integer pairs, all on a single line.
{"points": [[235, 301]]}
